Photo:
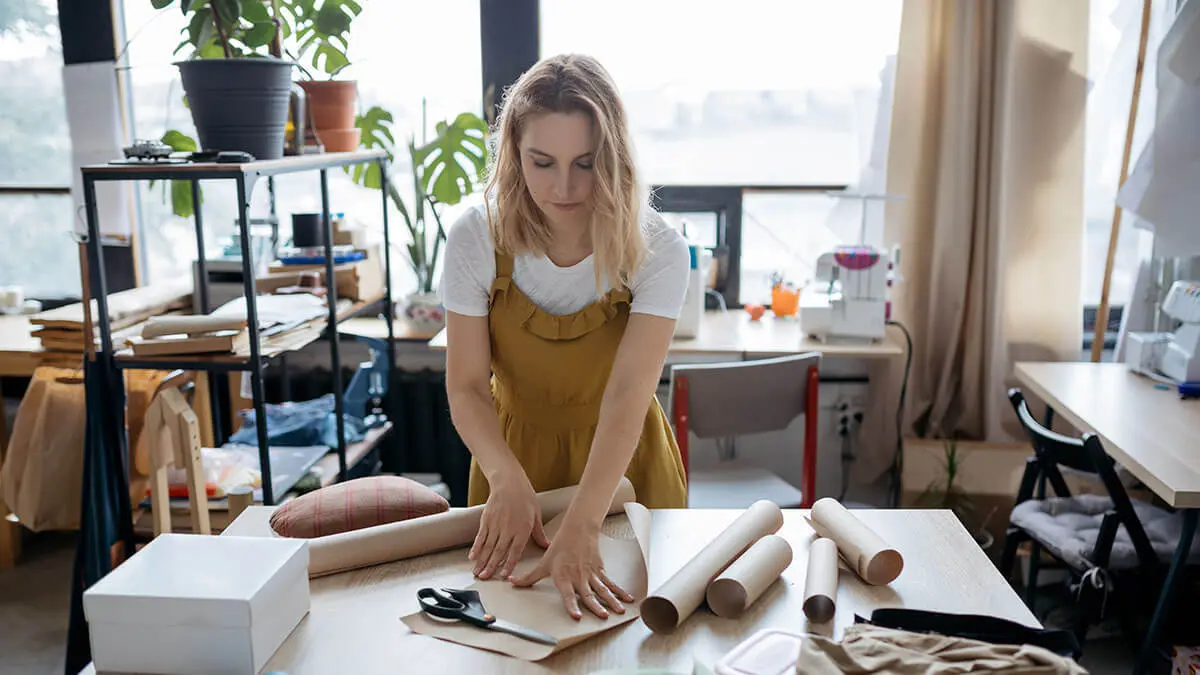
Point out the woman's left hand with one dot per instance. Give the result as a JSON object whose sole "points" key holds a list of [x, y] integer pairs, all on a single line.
{"points": [[573, 563]]}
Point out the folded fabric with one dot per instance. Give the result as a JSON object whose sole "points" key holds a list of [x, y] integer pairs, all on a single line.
{"points": [[976, 627], [874, 649], [299, 423]]}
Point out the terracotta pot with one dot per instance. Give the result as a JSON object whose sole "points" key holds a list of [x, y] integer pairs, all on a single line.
{"points": [[332, 104], [340, 140]]}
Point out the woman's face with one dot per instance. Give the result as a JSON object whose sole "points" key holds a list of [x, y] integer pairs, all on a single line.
{"points": [[556, 159]]}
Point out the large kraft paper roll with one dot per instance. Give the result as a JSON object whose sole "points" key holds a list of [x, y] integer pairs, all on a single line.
{"points": [[411, 538], [820, 586], [864, 551], [732, 593], [675, 600]]}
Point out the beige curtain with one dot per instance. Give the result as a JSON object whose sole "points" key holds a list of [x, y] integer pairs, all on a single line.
{"points": [[987, 148]]}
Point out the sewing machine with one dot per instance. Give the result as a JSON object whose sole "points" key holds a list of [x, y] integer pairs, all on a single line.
{"points": [[847, 298], [1172, 354]]}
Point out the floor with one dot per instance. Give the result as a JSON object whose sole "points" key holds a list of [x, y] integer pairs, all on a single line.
{"points": [[34, 607]]}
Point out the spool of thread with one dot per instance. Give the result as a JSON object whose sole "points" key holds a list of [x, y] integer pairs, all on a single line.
{"points": [[307, 230]]}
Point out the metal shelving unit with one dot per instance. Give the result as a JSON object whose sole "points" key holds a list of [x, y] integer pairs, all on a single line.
{"points": [[245, 176]]}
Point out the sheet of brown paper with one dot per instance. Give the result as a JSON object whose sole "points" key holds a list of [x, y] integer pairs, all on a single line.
{"points": [[865, 552], [821, 582], [676, 599], [540, 607], [731, 593], [411, 538], [159, 326]]}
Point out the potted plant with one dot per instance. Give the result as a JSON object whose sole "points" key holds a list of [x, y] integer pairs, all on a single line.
{"points": [[445, 170], [236, 81], [321, 38], [943, 493]]}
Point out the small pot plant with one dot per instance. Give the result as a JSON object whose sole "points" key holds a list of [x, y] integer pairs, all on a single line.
{"points": [[944, 493], [445, 170]]}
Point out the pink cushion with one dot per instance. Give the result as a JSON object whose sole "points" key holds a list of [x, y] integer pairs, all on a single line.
{"points": [[355, 504]]}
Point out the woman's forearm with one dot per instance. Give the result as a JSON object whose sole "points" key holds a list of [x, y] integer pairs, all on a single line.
{"points": [[473, 412]]}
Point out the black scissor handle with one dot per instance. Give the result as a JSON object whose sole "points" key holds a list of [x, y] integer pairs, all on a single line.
{"points": [[449, 603]]}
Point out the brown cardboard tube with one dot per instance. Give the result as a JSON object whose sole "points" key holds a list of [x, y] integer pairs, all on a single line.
{"points": [[820, 585], [676, 599], [865, 552], [411, 538], [732, 593], [190, 325]]}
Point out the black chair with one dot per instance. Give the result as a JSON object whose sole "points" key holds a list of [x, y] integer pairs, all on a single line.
{"points": [[1065, 525]]}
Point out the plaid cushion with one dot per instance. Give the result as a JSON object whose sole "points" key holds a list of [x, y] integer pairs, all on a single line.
{"points": [[355, 504]]}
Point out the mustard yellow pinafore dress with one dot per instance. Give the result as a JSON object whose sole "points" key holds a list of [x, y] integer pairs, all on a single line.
{"points": [[548, 378]]}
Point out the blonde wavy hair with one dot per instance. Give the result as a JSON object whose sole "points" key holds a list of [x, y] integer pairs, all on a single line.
{"points": [[565, 84]]}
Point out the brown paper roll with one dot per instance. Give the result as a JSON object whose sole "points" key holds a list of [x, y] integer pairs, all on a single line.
{"points": [[174, 325], [731, 593], [411, 538], [866, 553], [820, 585], [675, 600]]}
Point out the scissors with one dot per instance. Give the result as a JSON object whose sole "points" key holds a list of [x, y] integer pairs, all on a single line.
{"points": [[464, 605]]}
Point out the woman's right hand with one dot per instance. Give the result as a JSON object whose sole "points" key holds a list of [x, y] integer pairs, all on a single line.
{"points": [[510, 517]]}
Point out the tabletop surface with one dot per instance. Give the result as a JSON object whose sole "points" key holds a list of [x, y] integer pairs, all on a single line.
{"points": [[354, 622], [20, 351], [733, 334], [1150, 431]]}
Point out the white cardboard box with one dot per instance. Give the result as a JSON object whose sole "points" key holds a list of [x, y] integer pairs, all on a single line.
{"points": [[190, 604]]}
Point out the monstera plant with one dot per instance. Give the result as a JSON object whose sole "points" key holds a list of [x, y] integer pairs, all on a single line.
{"points": [[445, 170]]}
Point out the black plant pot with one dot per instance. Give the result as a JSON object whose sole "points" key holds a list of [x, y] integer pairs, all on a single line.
{"points": [[239, 104]]}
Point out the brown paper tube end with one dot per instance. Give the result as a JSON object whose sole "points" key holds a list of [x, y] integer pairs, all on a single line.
{"points": [[659, 614], [726, 598], [819, 608], [885, 567]]}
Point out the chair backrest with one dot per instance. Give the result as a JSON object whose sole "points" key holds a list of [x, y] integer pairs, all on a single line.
{"points": [[1084, 454], [745, 397]]}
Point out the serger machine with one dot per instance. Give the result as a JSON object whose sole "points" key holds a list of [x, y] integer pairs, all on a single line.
{"points": [[1171, 354], [848, 297]]}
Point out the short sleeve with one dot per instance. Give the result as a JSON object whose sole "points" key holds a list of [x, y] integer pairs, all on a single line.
{"points": [[469, 267], [660, 285]]}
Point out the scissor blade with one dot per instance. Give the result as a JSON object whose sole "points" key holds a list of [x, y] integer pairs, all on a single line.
{"points": [[523, 632]]}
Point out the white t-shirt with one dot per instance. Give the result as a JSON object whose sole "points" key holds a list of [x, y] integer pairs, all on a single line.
{"points": [[658, 286]]}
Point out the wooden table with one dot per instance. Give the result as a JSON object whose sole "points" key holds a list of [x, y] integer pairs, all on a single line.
{"points": [[354, 623], [732, 335], [1150, 431]]}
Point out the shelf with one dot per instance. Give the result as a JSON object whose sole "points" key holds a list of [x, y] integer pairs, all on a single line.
{"points": [[213, 170], [355, 452], [375, 327], [270, 347]]}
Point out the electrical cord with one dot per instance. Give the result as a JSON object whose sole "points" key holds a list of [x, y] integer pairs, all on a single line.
{"points": [[898, 457]]}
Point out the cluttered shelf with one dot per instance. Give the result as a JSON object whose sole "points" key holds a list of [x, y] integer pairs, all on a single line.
{"points": [[208, 170]]}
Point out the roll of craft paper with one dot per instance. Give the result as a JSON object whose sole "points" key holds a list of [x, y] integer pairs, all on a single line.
{"points": [[731, 593], [190, 325], [820, 586], [410, 538], [675, 600], [866, 553]]}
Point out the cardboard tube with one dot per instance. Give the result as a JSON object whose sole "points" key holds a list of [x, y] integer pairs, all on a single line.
{"points": [[865, 552], [191, 325], [411, 538], [820, 585], [675, 600], [732, 593]]}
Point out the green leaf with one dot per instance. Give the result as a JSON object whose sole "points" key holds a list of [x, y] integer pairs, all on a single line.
{"points": [[259, 35], [161, 4], [455, 160], [332, 19], [228, 10], [255, 11], [200, 25], [211, 50], [181, 199], [334, 60], [179, 141], [191, 5]]}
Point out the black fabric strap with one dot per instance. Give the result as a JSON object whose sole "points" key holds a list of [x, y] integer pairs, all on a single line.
{"points": [[975, 627]]}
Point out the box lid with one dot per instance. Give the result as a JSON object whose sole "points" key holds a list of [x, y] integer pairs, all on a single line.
{"points": [[185, 579]]}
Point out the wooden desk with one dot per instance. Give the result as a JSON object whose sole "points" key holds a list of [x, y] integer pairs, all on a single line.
{"points": [[354, 623], [734, 336], [1150, 431]]}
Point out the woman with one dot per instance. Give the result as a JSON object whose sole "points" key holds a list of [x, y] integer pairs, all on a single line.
{"points": [[561, 294]]}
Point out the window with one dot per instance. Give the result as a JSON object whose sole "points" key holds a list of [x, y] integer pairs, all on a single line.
{"points": [[1112, 57], [755, 94], [36, 219], [419, 60]]}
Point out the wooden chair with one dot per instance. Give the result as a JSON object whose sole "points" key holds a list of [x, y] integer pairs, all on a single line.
{"points": [[1064, 525], [725, 400]]}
